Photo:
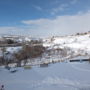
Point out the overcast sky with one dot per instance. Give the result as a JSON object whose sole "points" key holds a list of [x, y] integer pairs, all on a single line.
{"points": [[44, 17]]}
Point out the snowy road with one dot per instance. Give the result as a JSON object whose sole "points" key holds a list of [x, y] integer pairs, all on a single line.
{"points": [[59, 76]]}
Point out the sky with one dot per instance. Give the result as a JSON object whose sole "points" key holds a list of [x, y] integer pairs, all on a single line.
{"points": [[44, 17]]}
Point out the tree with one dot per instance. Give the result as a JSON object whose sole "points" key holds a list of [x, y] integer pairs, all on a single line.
{"points": [[3, 55], [28, 52]]}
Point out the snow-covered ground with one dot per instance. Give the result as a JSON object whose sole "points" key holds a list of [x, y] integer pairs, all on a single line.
{"points": [[13, 49], [59, 76]]}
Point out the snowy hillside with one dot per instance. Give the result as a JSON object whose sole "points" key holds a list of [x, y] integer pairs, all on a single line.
{"points": [[75, 45], [57, 49]]}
